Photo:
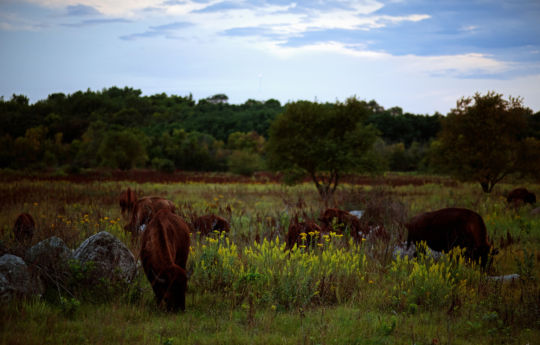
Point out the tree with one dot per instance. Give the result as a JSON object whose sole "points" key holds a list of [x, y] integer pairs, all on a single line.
{"points": [[218, 98], [123, 149], [322, 141], [484, 139]]}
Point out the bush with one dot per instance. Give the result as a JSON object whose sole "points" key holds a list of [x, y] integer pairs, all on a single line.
{"points": [[432, 284], [266, 273], [163, 165], [245, 163]]}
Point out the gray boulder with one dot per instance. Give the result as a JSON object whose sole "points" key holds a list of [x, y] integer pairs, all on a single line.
{"points": [[401, 251], [51, 259], [505, 278], [111, 258], [357, 213], [6, 290], [16, 279]]}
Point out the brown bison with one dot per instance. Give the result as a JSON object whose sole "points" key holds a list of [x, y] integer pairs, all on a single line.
{"points": [[24, 228], [447, 228], [209, 223], [521, 196], [143, 211], [333, 219], [127, 201], [164, 253], [294, 236]]}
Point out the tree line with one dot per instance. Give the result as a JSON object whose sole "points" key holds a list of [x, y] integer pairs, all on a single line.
{"points": [[121, 128]]}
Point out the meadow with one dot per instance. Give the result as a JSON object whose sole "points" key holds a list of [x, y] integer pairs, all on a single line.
{"points": [[245, 288]]}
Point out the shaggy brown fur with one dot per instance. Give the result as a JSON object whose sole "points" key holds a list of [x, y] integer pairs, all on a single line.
{"points": [[127, 201], [209, 223], [24, 228], [143, 211], [296, 228], [451, 227], [521, 196], [344, 223], [164, 253]]}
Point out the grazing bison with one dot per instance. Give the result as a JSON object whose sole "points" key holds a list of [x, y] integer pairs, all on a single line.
{"points": [[164, 253], [143, 211], [451, 227], [24, 228], [521, 196], [294, 236], [333, 219], [208, 223], [127, 201]]}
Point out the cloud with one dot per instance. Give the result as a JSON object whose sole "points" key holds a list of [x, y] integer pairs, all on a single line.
{"points": [[166, 30], [97, 21], [13, 21], [462, 38], [222, 6], [81, 10], [111, 8]]}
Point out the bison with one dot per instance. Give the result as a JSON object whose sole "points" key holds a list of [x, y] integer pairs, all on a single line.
{"points": [[294, 236], [209, 223], [24, 228], [333, 219], [164, 253], [447, 228], [127, 201], [143, 211], [521, 196]]}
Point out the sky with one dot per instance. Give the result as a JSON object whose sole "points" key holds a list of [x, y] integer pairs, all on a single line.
{"points": [[420, 55]]}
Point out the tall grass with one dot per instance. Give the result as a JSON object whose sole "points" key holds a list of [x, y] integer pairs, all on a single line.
{"points": [[245, 288]]}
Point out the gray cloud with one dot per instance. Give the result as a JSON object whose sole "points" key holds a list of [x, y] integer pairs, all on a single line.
{"points": [[81, 10], [97, 21], [165, 30]]}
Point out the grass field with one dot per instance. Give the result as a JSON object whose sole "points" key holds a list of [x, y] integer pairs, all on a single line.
{"points": [[246, 289]]}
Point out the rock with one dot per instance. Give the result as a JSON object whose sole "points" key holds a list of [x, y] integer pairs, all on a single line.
{"points": [[6, 290], [18, 280], [51, 258], [505, 278], [401, 250], [357, 213], [112, 259]]}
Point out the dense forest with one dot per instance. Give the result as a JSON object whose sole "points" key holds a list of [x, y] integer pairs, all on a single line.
{"points": [[121, 128]]}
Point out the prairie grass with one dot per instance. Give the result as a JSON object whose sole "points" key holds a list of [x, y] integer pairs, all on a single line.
{"points": [[245, 288]]}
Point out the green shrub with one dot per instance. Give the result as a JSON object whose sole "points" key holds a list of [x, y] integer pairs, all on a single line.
{"points": [[432, 284]]}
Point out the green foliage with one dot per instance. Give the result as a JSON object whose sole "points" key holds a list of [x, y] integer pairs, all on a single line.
{"points": [[76, 125], [69, 306], [123, 149], [396, 127], [251, 142], [190, 150], [265, 273], [163, 164], [244, 162], [251, 291], [321, 141], [482, 140], [432, 284]]}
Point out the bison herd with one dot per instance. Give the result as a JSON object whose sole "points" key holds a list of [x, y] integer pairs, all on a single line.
{"points": [[165, 236]]}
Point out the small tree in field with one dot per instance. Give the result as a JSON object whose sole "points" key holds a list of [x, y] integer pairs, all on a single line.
{"points": [[321, 141], [484, 139]]}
